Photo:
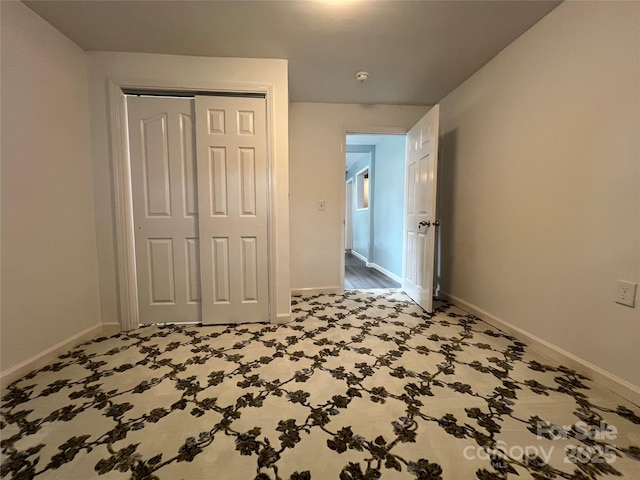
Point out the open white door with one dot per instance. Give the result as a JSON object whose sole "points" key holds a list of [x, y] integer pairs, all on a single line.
{"points": [[232, 200], [420, 209]]}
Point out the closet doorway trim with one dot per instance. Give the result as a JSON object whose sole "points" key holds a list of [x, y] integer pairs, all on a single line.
{"points": [[125, 250]]}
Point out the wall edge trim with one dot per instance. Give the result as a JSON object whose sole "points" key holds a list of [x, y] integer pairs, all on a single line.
{"points": [[299, 292], [282, 319], [47, 356], [385, 272], [598, 375], [110, 329], [359, 256]]}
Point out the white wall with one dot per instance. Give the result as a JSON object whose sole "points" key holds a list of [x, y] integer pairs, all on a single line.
{"points": [[317, 132], [49, 266], [184, 72], [189, 73], [540, 183]]}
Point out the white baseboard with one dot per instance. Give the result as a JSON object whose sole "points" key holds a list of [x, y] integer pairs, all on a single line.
{"points": [[384, 271], [303, 292], [282, 318], [357, 255], [608, 380], [110, 329], [51, 354]]}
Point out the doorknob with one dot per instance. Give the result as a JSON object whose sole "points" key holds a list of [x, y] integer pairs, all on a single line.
{"points": [[436, 223], [424, 223]]}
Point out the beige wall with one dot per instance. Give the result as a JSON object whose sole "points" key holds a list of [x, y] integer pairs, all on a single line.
{"points": [[49, 266], [540, 183], [189, 73], [317, 132]]}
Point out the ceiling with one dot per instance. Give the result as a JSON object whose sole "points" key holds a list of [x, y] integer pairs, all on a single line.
{"points": [[415, 51]]}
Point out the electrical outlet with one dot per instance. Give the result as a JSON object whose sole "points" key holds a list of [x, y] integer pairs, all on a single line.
{"points": [[626, 293]]}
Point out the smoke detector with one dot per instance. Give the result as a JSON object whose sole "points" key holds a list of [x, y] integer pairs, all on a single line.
{"points": [[362, 77]]}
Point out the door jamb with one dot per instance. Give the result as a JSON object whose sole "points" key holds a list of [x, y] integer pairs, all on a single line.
{"points": [[124, 231], [343, 145], [349, 181]]}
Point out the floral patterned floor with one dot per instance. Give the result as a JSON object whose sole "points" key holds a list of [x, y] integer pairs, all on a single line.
{"points": [[363, 385]]}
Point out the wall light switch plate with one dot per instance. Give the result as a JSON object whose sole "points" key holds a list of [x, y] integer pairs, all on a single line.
{"points": [[626, 293], [322, 205]]}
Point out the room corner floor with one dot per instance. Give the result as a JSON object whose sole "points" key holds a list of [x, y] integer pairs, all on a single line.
{"points": [[363, 385]]}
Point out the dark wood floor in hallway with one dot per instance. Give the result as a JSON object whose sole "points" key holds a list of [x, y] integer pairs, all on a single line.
{"points": [[358, 276]]}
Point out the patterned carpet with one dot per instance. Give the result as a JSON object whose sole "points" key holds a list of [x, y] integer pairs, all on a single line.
{"points": [[360, 386]]}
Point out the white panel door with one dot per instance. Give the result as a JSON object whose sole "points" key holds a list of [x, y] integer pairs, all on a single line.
{"points": [[165, 208], [232, 195], [420, 209]]}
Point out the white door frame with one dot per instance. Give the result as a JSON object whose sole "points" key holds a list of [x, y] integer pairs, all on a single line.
{"points": [[125, 246], [348, 234], [356, 131]]}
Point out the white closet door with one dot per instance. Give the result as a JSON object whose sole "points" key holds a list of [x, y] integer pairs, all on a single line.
{"points": [[233, 199], [165, 208]]}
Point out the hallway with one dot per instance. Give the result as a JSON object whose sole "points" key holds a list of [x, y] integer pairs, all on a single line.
{"points": [[358, 276]]}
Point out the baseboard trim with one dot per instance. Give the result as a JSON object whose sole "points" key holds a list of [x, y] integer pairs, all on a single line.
{"points": [[357, 255], [49, 355], [384, 271], [610, 381], [110, 329], [282, 318], [303, 292]]}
